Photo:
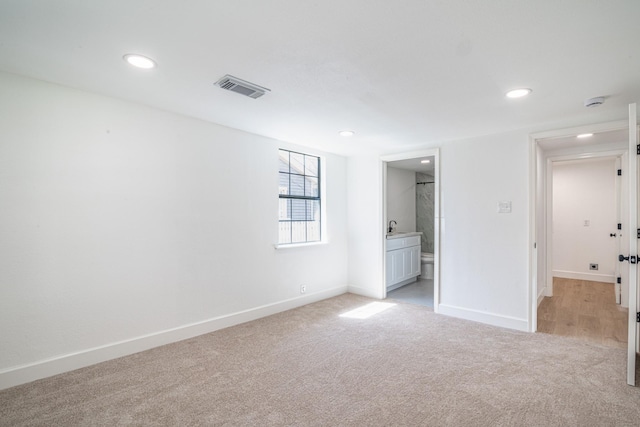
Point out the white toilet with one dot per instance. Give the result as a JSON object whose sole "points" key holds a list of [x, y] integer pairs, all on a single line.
{"points": [[426, 265]]}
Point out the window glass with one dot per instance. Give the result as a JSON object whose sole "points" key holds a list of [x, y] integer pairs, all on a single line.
{"points": [[299, 193]]}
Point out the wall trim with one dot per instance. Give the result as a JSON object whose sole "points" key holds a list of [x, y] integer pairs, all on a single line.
{"points": [[594, 277], [548, 291], [485, 317], [365, 292], [56, 365], [541, 295]]}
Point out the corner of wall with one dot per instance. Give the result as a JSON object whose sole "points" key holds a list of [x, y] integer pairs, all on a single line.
{"points": [[15, 376], [365, 292], [485, 317]]}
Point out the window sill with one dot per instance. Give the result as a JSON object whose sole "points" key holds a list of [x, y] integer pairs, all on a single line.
{"points": [[298, 245]]}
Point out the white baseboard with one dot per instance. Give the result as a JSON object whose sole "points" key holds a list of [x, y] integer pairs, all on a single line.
{"points": [[485, 317], [365, 292], [541, 295], [595, 277], [45, 368]]}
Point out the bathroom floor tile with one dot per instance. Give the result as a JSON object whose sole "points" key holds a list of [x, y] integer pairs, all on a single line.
{"points": [[419, 292]]}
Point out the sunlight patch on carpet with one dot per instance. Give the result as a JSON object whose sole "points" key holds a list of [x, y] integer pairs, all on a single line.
{"points": [[368, 310]]}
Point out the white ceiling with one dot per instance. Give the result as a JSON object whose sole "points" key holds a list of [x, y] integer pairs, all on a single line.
{"points": [[400, 74]]}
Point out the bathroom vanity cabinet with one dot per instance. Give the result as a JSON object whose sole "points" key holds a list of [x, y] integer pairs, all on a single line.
{"points": [[403, 260]]}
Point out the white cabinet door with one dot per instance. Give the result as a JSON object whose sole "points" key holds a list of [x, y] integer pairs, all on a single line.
{"points": [[415, 261], [406, 264], [397, 259], [399, 266], [389, 272], [403, 261]]}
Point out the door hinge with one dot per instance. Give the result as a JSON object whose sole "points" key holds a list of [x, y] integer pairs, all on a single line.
{"points": [[638, 149], [638, 317], [619, 226], [619, 172], [638, 233], [619, 280]]}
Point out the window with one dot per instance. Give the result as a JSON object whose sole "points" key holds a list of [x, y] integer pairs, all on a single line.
{"points": [[299, 192]]}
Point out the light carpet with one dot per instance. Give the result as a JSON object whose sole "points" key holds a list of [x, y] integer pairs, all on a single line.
{"points": [[405, 366]]}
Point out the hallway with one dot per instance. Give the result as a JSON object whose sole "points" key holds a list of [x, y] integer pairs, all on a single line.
{"points": [[584, 310]]}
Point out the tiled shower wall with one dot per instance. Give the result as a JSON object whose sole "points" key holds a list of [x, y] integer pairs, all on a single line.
{"points": [[424, 210]]}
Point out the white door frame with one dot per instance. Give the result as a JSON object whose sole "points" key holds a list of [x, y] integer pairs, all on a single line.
{"points": [[535, 235], [617, 154], [632, 340], [622, 212], [435, 152]]}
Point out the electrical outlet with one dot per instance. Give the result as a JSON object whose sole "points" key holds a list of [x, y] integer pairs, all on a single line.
{"points": [[593, 266], [303, 289]]}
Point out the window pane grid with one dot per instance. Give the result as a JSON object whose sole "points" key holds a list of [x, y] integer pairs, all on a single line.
{"points": [[299, 192]]}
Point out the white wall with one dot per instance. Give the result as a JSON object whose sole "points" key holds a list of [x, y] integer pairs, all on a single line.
{"points": [[123, 227], [366, 228], [485, 253], [401, 198], [584, 190], [484, 270]]}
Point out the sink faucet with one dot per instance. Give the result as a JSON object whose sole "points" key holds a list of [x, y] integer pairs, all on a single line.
{"points": [[392, 224]]}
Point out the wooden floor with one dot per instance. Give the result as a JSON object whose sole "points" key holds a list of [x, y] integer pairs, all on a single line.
{"points": [[584, 310]]}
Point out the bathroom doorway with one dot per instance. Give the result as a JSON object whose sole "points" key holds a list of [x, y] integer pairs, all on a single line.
{"points": [[411, 207]]}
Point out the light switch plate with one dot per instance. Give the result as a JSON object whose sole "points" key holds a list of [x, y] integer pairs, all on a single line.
{"points": [[504, 207]]}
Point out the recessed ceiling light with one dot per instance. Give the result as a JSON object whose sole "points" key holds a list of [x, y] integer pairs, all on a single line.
{"points": [[518, 93], [585, 135], [139, 61], [346, 133], [426, 161]]}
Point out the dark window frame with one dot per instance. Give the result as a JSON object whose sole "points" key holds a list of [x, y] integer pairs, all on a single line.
{"points": [[309, 214]]}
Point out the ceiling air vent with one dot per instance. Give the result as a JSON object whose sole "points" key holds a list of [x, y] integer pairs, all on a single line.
{"points": [[242, 87]]}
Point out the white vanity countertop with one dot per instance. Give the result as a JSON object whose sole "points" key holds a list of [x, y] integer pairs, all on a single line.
{"points": [[401, 234]]}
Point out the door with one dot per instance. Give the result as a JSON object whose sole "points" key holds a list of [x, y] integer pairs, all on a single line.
{"points": [[622, 208], [616, 233], [633, 246]]}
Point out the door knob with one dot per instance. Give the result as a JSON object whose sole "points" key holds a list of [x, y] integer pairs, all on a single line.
{"points": [[612, 234], [631, 258]]}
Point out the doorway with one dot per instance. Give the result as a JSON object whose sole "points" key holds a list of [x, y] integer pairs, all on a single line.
{"points": [[578, 208], [583, 301], [412, 225], [540, 285]]}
